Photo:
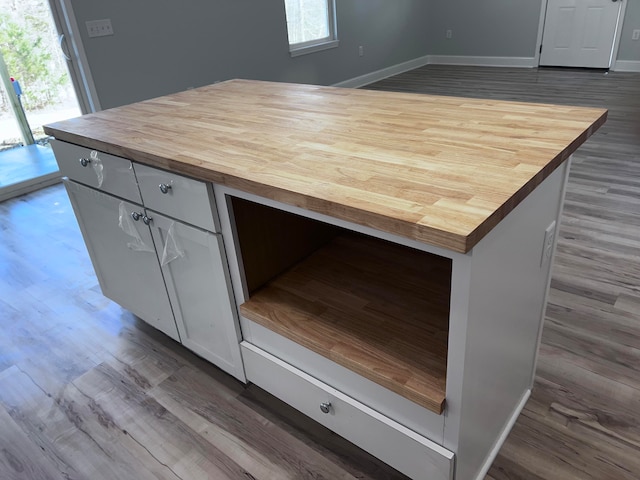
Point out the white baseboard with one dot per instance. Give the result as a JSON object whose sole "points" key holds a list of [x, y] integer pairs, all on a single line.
{"points": [[627, 66], [384, 73], [525, 62]]}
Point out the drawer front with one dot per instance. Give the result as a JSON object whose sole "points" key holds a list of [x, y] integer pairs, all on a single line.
{"points": [[179, 197], [396, 407], [401, 448], [95, 169]]}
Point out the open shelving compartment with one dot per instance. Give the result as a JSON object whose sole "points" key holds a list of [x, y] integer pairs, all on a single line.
{"points": [[377, 308]]}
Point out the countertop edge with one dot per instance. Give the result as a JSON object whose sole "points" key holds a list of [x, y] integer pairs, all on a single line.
{"points": [[429, 235]]}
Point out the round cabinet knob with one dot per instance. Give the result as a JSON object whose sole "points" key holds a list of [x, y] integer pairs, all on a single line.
{"points": [[136, 216], [146, 220], [84, 162], [164, 188], [325, 407]]}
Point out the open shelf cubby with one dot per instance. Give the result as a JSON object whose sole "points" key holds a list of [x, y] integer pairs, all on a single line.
{"points": [[377, 308]]}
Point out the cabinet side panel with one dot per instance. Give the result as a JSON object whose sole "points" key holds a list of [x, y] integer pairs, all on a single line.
{"points": [[271, 240], [506, 308]]}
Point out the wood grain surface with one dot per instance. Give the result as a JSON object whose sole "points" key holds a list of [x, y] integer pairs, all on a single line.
{"points": [[441, 170], [361, 302]]}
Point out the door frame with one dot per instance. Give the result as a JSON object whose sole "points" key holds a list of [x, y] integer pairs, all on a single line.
{"points": [[616, 36], [71, 42]]}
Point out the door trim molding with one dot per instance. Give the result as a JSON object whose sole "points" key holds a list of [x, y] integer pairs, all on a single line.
{"points": [[67, 24], [543, 15], [617, 35]]}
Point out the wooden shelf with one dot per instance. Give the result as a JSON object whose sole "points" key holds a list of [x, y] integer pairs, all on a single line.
{"points": [[379, 309]]}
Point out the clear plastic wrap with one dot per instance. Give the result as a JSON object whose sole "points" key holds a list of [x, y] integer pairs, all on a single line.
{"points": [[172, 249], [126, 223], [96, 163]]}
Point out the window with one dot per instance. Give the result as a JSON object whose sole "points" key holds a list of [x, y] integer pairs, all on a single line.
{"points": [[311, 25]]}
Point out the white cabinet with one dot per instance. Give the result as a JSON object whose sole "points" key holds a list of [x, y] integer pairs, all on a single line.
{"points": [[376, 336], [197, 280], [148, 255], [128, 273]]}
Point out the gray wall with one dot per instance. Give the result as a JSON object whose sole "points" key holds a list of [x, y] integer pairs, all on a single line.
{"points": [[493, 28], [630, 49], [163, 46]]}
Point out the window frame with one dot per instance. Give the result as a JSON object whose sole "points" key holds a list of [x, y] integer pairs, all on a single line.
{"points": [[325, 43]]}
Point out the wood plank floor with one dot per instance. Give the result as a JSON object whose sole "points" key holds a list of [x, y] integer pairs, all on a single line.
{"points": [[89, 392]]}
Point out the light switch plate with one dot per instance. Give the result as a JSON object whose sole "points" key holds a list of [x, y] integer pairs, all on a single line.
{"points": [[99, 28], [547, 246]]}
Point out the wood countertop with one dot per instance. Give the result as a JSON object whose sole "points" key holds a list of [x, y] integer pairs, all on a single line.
{"points": [[440, 170]]}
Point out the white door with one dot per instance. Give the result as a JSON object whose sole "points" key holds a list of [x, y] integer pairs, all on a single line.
{"points": [[197, 278], [125, 261], [579, 33]]}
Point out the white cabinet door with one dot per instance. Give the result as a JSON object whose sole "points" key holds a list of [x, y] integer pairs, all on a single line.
{"points": [[197, 279], [127, 267]]}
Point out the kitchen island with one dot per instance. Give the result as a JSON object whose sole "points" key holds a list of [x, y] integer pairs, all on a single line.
{"points": [[378, 260]]}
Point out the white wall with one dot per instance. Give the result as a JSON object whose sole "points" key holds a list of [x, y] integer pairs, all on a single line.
{"points": [[163, 46], [493, 28], [505, 28], [630, 49]]}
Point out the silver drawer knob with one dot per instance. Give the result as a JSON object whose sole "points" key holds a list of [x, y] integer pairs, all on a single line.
{"points": [[136, 216], [84, 162], [325, 407], [164, 188], [146, 220]]}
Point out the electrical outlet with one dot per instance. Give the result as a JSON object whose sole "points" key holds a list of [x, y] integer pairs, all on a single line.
{"points": [[635, 35], [360, 51], [547, 246], [99, 28], [448, 33]]}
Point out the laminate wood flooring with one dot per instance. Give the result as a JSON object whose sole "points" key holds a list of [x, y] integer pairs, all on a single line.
{"points": [[89, 392]]}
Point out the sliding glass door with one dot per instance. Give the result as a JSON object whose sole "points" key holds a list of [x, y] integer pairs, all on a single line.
{"points": [[36, 89]]}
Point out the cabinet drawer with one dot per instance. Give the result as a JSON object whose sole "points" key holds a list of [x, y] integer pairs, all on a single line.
{"points": [[100, 170], [426, 423], [403, 449], [182, 198]]}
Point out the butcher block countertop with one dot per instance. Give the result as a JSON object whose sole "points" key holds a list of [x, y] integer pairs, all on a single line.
{"points": [[440, 170]]}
